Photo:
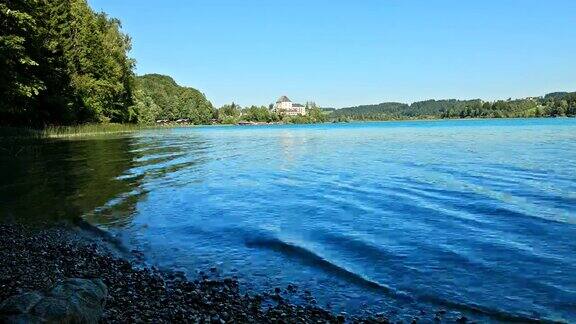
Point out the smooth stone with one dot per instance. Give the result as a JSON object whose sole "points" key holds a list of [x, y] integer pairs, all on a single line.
{"points": [[55, 310], [21, 319], [73, 301], [20, 304], [92, 292]]}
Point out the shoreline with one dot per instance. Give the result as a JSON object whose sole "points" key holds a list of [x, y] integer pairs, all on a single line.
{"points": [[37, 259], [57, 132]]}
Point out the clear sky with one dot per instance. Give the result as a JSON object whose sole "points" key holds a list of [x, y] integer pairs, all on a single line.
{"points": [[344, 53]]}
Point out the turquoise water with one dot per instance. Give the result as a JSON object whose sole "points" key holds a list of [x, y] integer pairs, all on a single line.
{"points": [[475, 216]]}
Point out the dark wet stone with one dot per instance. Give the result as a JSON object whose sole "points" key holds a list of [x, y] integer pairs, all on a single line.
{"points": [[20, 304], [21, 319], [72, 301], [82, 292], [55, 310], [291, 288]]}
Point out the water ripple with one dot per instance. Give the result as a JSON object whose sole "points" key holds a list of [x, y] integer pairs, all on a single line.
{"points": [[476, 217]]}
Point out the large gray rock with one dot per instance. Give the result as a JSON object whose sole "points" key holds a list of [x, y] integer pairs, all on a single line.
{"points": [[72, 301], [55, 310], [22, 319], [20, 304]]}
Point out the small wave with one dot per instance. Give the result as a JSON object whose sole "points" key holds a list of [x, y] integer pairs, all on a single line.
{"points": [[312, 259], [106, 236]]}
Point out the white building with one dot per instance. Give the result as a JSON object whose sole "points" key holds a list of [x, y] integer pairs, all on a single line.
{"points": [[285, 106]]}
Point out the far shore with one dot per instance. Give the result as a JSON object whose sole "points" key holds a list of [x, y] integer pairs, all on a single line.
{"points": [[114, 128]]}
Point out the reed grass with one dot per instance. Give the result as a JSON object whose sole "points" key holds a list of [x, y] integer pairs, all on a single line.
{"points": [[91, 129], [71, 131]]}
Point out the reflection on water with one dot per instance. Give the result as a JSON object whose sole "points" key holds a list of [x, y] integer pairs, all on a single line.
{"points": [[98, 178], [63, 179], [475, 216]]}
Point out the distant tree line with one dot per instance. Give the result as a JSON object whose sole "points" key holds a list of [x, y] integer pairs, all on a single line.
{"points": [[233, 114], [551, 105]]}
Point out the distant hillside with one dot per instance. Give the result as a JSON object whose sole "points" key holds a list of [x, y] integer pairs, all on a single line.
{"points": [[557, 95], [385, 110], [553, 104], [160, 97]]}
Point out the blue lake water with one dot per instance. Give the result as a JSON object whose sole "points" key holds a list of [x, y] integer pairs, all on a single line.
{"points": [[475, 216]]}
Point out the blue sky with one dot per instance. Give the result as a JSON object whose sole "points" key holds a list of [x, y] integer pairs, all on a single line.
{"points": [[344, 53]]}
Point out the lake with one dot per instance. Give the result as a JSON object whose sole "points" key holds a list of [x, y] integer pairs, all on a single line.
{"points": [[474, 216]]}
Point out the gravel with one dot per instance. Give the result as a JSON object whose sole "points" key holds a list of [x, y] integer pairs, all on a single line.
{"points": [[39, 259]]}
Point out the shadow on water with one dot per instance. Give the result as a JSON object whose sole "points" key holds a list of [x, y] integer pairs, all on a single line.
{"points": [[47, 180], [100, 179]]}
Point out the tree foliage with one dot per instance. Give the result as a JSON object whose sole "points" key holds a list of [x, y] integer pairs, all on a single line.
{"points": [[159, 97], [62, 63], [233, 114], [385, 110], [229, 114], [553, 105]]}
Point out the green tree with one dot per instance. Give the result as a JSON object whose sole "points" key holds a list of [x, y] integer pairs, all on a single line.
{"points": [[62, 63], [146, 109], [20, 81], [229, 114], [171, 101], [258, 114]]}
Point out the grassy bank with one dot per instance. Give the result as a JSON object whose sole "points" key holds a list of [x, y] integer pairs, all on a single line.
{"points": [[72, 131], [91, 129]]}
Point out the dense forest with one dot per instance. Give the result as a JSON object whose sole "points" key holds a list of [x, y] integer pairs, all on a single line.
{"points": [[62, 63], [158, 97], [551, 105]]}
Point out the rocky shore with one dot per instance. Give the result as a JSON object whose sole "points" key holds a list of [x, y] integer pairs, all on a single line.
{"points": [[36, 265]]}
